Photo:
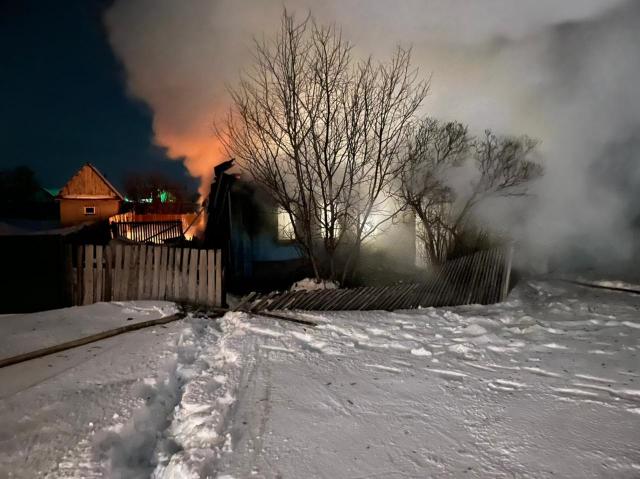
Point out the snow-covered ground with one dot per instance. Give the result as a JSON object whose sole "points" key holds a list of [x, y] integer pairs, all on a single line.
{"points": [[23, 333], [546, 385]]}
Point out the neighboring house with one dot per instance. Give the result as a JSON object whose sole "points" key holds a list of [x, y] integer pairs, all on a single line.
{"points": [[88, 196]]}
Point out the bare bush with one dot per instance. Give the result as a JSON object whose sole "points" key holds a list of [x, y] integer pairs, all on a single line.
{"points": [[503, 166]]}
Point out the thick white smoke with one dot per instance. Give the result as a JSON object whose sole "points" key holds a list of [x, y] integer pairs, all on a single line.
{"points": [[561, 71]]}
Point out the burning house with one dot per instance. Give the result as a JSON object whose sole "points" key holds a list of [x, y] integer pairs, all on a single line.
{"points": [[257, 240]]}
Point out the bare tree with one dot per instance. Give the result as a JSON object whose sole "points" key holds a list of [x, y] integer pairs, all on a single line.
{"points": [[434, 149], [323, 133], [503, 166]]}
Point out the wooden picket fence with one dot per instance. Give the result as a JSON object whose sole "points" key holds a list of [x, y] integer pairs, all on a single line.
{"points": [[119, 272]]}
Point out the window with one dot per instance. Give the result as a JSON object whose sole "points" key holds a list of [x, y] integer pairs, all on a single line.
{"points": [[285, 227], [89, 210]]}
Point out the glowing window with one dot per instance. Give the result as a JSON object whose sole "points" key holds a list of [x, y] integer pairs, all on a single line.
{"points": [[285, 226]]}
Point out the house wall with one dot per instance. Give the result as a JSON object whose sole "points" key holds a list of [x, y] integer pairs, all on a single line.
{"points": [[88, 183], [396, 240], [72, 210]]}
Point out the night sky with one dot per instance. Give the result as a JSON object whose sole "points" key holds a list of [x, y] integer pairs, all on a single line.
{"points": [[63, 99]]}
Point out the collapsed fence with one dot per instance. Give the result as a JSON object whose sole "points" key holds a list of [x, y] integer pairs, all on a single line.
{"points": [[480, 278], [119, 272], [147, 231]]}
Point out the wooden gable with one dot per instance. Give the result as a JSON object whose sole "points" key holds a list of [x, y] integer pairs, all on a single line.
{"points": [[87, 183]]}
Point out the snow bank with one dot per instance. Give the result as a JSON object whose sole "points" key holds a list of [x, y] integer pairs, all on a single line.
{"points": [[52, 408], [311, 284], [474, 391], [23, 333]]}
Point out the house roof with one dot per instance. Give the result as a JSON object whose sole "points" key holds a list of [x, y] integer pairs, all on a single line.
{"points": [[75, 188]]}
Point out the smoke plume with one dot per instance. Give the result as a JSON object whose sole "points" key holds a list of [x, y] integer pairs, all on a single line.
{"points": [[564, 72]]}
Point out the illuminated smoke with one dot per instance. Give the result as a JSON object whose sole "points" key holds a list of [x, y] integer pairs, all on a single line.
{"points": [[562, 71]]}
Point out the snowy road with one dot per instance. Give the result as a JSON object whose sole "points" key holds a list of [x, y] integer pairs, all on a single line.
{"points": [[546, 385]]}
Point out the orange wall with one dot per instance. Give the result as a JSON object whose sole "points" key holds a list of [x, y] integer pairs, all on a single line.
{"points": [[72, 210]]}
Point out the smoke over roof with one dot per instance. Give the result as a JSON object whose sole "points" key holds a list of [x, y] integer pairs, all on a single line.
{"points": [[564, 72]]}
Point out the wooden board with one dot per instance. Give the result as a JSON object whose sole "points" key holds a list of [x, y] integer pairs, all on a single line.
{"points": [[211, 278], [99, 292], [141, 272], [170, 261], [184, 286], [219, 279], [148, 274], [117, 273], [202, 278], [162, 279], [156, 272], [193, 276], [88, 275]]}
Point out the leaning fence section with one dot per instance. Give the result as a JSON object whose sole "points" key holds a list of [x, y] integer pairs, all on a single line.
{"points": [[121, 272], [480, 278]]}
